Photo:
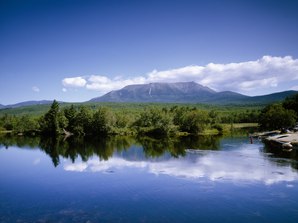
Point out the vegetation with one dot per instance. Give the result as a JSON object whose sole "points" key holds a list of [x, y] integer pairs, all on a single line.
{"points": [[278, 116], [158, 120], [291, 103]]}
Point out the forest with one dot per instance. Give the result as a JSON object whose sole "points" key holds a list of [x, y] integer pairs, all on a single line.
{"points": [[154, 120]]}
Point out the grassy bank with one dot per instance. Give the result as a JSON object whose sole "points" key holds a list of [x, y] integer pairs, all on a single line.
{"points": [[154, 119]]}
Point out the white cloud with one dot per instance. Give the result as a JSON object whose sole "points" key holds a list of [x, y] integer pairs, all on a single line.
{"points": [[294, 88], [95, 165], [64, 89], [74, 82], [104, 84], [35, 89], [250, 85], [245, 164], [78, 167], [36, 161], [244, 77]]}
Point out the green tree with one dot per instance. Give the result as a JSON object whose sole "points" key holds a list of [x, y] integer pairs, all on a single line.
{"points": [[213, 116], [52, 122], [194, 121], [26, 124], [70, 114], [122, 120], [8, 122], [155, 121], [102, 121], [275, 116], [291, 103], [83, 121]]}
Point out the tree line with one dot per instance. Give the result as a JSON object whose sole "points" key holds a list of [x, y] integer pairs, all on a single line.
{"points": [[282, 115], [153, 121], [82, 120]]}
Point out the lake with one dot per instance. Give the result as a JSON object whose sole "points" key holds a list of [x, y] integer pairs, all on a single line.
{"points": [[120, 179]]}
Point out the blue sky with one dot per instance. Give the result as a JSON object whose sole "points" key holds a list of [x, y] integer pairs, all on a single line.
{"points": [[74, 50]]}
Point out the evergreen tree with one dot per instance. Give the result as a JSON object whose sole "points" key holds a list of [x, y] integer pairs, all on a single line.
{"points": [[49, 123], [70, 114], [102, 121], [83, 121], [275, 116], [291, 103]]}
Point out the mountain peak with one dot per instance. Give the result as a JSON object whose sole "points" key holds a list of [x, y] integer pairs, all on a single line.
{"points": [[185, 92], [158, 92]]}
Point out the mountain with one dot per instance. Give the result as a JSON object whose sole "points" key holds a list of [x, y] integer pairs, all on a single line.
{"points": [[181, 92], [168, 92], [159, 92], [188, 92], [26, 103]]}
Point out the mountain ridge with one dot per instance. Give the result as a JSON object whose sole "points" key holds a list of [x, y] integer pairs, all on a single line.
{"points": [[27, 103], [158, 92], [187, 92], [179, 92]]}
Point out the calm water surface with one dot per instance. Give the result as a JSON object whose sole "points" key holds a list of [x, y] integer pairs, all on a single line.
{"points": [[207, 179]]}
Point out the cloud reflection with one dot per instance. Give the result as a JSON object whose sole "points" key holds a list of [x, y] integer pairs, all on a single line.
{"points": [[246, 164], [36, 161]]}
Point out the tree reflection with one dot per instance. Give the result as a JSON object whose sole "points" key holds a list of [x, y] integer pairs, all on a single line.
{"points": [[50, 145], [74, 147], [280, 153], [104, 147], [157, 147], [200, 142], [7, 140], [84, 148]]}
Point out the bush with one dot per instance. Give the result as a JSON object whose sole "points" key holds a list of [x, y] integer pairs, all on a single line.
{"points": [[275, 116], [191, 120], [102, 121], [154, 121]]}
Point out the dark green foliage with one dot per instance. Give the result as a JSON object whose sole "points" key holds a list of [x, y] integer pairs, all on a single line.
{"points": [[275, 116], [194, 121], [248, 116], [154, 121], [291, 103], [157, 120], [213, 117], [102, 121], [123, 120], [190, 120], [8, 122], [83, 121], [26, 125], [53, 122], [70, 114]]}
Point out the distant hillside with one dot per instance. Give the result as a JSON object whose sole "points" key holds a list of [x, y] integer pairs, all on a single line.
{"points": [[185, 92], [26, 103], [271, 98], [135, 97]]}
